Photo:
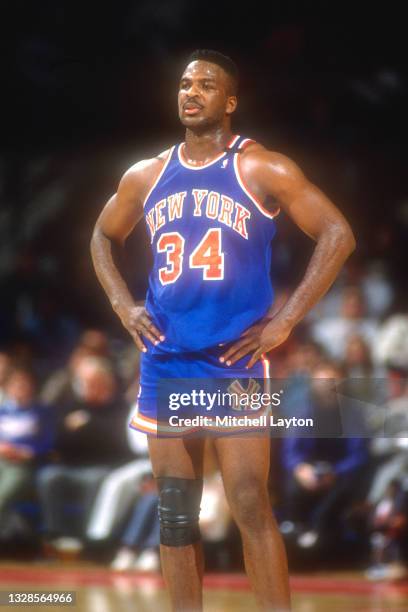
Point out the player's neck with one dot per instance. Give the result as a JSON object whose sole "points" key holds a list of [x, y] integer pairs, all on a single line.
{"points": [[202, 147]]}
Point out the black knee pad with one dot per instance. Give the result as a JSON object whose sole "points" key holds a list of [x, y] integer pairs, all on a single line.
{"points": [[179, 510]]}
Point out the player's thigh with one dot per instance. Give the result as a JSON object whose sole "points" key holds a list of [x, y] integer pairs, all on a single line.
{"points": [[177, 457], [244, 462]]}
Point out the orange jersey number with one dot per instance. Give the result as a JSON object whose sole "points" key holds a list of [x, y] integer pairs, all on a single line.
{"points": [[207, 255], [171, 243]]}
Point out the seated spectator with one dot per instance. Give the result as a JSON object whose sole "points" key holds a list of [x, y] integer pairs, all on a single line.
{"points": [[26, 438], [91, 442], [357, 358], [323, 472], [377, 288], [388, 526], [332, 333], [60, 387], [120, 489], [391, 350], [140, 542], [390, 447], [391, 346], [365, 382]]}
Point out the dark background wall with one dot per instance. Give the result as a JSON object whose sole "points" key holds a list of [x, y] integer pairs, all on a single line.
{"points": [[90, 88]]}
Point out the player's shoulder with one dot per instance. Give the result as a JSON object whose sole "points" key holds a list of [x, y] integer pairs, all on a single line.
{"points": [[147, 168], [137, 181], [256, 156]]}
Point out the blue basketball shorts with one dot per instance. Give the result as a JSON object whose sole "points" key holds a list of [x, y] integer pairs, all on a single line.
{"points": [[200, 366]]}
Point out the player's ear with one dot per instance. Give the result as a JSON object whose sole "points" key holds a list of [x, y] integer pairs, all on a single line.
{"points": [[232, 104]]}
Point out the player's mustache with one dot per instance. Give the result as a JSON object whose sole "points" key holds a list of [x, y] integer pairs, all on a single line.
{"points": [[192, 101]]}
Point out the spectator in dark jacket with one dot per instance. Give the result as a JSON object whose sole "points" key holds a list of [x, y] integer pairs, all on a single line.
{"points": [[321, 471], [91, 442]]}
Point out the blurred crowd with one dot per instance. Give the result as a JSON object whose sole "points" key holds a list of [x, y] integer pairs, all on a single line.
{"points": [[74, 477]]}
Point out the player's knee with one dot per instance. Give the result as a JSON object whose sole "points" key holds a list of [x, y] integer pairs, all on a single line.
{"points": [[250, 503], [179, 510]]}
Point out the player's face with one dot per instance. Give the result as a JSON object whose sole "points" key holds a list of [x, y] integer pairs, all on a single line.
{"points": [[204, 97]]}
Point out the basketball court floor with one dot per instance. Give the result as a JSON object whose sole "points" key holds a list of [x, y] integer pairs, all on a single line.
{"points": [[99, 589]]}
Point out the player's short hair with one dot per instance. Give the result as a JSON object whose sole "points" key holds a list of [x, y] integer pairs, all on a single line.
{"points": [[225, 62]]}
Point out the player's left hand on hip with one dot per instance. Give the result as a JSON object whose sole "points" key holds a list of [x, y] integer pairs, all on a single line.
{"points": [[260, 338], [274, 334]]}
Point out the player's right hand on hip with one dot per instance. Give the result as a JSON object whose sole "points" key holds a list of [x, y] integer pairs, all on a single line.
{"points": [[137, 321]]}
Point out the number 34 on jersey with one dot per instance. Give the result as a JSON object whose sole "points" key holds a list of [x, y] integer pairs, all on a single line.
{"points": [[206, 255]]}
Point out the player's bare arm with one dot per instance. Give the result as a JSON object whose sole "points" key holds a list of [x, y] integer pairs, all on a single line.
{"points": [[117, 220], [271, 174]]}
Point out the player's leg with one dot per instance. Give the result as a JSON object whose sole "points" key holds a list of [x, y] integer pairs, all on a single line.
{"points": [[178, 468], [244, 463]]}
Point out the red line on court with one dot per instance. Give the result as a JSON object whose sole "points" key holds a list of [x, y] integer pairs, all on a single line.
{"points": [[86, 577]]}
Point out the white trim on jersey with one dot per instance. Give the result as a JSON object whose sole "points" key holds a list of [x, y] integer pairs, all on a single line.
{"points": [[166, 163], [244, 142], [258, 204], [185, 163], [233, 141], [265, 363]]}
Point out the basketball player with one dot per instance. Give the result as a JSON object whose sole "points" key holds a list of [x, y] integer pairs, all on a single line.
{"points": [[210, 205]]}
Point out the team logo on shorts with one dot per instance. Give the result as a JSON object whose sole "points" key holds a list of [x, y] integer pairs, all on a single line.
{"points": [[241, 399]]}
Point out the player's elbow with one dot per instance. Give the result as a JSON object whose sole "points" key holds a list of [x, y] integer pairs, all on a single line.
{"points": [[350, 242], [338, 238], [97, 241], [95, 238], [345, 239], [102, 242]]}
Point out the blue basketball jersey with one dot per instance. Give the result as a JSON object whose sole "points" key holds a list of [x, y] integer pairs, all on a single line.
{"points": [[211, 243]]}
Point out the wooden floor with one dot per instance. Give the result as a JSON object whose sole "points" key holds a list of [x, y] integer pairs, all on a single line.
{"points": [[100, 590]]}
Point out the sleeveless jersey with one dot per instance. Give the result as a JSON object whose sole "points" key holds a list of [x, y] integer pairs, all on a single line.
{"points": [[211, 238]]}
